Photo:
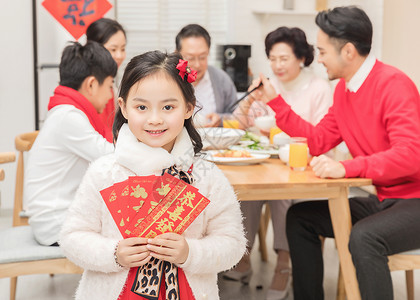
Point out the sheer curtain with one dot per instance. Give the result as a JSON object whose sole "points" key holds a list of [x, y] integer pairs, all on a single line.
{"points": [[153, 24]]}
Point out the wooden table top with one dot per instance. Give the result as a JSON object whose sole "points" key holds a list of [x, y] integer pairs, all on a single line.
{"points": [[274, 173]]}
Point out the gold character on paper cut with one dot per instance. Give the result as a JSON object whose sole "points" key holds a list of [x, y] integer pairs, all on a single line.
{"points": [[127, 232], [187, 199], [125, 191], [138, 222], [163, 190], [151, 235], [137, 208], [113, 196], [175, 215], [139, 192], [119, 211], [164, 225], [122, 223], [152, 206]]}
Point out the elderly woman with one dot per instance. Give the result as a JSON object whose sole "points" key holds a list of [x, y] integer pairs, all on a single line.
{"points": [[309, 96]]}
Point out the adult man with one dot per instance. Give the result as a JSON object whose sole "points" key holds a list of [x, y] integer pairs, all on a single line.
{"points": [[376, 111], [214, 89], [72, 136]]}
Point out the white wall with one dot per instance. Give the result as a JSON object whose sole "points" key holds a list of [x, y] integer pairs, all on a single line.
{"points": [[16, 85], [401, 42]]}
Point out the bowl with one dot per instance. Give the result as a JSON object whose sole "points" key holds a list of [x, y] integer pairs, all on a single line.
{"points": [[281, 139], [219, 137], [265, 123], [284, 153]]}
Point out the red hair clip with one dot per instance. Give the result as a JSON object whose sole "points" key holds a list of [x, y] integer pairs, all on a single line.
{"points": [[183, 68]]}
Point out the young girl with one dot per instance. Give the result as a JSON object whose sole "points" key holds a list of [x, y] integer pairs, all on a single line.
{"points": [[154, 132]]}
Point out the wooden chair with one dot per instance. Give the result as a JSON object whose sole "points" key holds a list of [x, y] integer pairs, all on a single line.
{"points": [[6, 157], [23, 143], [406, 261], [21, 254]]}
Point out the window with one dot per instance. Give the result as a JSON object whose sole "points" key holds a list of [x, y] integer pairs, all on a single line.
{"points": [[153, 24]]}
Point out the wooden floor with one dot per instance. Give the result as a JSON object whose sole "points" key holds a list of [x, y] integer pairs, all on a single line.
{"points": [[62, 287]]}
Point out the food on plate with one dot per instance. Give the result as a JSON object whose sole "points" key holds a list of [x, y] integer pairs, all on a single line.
{"points": [[250, 136], [233, 153], [256, 142]]}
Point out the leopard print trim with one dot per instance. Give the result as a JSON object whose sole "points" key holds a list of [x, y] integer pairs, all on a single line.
{"points": [[149, 278]]}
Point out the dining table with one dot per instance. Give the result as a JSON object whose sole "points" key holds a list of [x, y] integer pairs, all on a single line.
{"points": [[274, 180]]}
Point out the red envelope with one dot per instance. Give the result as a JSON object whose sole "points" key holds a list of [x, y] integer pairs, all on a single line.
{"points": [[161, 187], [113, 197], [142, 193], [174, 213], [150, 205], [124, 199]]}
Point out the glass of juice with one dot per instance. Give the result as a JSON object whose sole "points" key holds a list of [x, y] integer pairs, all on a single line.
{"points": [[231, 123], [273, 131], [298, 153]]}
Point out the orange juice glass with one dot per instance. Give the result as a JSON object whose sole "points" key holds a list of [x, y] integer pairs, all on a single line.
{"points": [[273, 131], [231, 123], [298, 153]]}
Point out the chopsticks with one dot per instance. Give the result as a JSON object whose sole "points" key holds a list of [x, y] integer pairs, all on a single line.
{"points": [[244, 96]]}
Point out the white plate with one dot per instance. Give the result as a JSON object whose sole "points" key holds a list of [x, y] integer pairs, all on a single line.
{"points": [[255, 159], [219, 137], [272, 152]]}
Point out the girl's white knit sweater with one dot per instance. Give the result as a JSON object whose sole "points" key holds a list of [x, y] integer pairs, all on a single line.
{"points": [[216, 239]]}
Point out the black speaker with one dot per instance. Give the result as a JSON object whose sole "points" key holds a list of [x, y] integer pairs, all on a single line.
{"points": [[235, 62]]}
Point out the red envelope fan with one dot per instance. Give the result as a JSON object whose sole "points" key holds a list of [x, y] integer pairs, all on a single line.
{"points": [[179, 205], [175, 212]]}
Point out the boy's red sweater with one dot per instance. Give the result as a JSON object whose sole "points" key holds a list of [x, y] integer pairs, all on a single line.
{"points": [[380, 124]]}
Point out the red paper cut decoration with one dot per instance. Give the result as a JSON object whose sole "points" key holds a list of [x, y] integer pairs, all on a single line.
{"points": [[77, 15]]}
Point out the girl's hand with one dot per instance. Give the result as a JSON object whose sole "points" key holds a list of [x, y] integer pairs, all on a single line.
{"points": [[132, 252], [170, 246]]}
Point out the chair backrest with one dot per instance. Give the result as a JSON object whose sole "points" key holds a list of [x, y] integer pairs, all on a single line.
{"points": [[23, 143], [21, 254]]}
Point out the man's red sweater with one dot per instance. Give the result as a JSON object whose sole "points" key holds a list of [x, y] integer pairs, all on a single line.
{"points": [[380, 124]]}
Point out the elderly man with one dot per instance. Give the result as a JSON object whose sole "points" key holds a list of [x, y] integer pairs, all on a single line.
{"points": [[214, 89], [376, 111]]}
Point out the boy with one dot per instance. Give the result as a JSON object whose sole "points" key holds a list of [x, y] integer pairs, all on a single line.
{"points": [[72, 136]]}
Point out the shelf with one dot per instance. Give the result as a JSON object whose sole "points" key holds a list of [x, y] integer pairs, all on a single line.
{"points": [[267, 13]]}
